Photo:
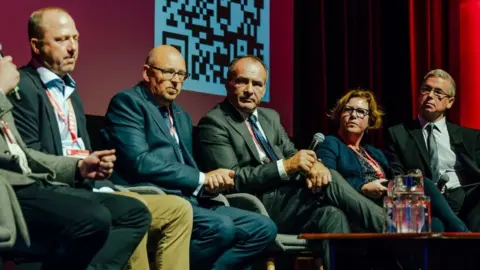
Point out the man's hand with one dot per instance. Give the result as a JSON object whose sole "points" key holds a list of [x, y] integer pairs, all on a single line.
{"points": [[98, 165], [9, 76], [303, 160], [219, 180], [318, 176], [375, 189]]}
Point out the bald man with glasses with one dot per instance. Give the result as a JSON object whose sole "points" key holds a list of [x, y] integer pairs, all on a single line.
{"points": [[153, 138]]}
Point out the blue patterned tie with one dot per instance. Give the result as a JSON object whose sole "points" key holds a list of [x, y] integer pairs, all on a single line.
{"points": [[260, 138]]}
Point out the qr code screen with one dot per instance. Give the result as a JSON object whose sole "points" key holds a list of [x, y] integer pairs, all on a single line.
{"points": [[210, 33]]}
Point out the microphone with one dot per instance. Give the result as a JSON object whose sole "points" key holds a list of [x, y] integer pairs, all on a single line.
{"points": [[318, 138], [444, 178], [16, 89]]}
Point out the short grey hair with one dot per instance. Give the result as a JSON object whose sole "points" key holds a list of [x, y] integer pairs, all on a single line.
{"points": [[440, 73]]}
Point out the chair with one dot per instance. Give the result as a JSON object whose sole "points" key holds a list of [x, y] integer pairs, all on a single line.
{"points": [[284, 243]]}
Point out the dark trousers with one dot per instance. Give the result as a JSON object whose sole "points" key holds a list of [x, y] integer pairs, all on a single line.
{"points": [[81, 229], [295, 209], [465, 202], [228, 238]]}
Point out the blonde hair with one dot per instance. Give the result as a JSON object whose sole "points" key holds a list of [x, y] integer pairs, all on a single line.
{"points": [[375, 113]]}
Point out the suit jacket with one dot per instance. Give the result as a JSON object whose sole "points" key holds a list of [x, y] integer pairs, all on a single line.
{"points": [[406, 149], [35, 116], [11, 217], [146, 152], [225, 142], [46, 168], [336, 155]]}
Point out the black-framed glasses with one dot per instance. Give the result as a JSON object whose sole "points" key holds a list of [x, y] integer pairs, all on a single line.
{"points": [[361, 113], [437, 92], [168, 74]]}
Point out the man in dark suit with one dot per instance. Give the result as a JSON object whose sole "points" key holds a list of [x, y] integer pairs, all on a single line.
{"points": [[71, 232], [436, 147], [153, 139], [49, 97], [250, 140]]}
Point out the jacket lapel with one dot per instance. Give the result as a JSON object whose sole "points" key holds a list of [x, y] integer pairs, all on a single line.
{"points": [[81, 121], [157, 117], [238, 123], [51, 115], [378, 156], [456, 139], [416, 132], [183, 136], [269, 131], [462, 152]]}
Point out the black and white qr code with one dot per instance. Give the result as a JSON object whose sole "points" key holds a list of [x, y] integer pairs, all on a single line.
{"points": [[210, 33]]}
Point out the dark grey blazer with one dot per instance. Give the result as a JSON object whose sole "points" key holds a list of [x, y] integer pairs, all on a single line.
{"points": [[44, 167], [225, 142]]}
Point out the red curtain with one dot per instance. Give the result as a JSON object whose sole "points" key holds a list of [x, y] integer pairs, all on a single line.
{"points": [[434, 43], [340, 45], [446, 34], [468, 20]]}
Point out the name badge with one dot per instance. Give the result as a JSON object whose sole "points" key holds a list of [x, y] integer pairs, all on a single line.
{"points": [[78, 153]]}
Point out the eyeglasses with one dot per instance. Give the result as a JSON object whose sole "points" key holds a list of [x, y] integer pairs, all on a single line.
{"points": [[361, 113], [437, 92], [168, 74]]}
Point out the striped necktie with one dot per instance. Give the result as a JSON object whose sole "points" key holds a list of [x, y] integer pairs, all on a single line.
{"points": [[260, 138]]}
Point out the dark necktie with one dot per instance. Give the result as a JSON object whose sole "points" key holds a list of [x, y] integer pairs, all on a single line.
{"points": [[433, 152], [166, 116], [261, 139]]}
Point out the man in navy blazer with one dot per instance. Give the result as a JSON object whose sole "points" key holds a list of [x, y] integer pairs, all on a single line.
{"points": [[153, 139]]}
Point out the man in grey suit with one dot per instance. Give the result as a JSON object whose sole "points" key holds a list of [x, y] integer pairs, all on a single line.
{"points": [[71, 230], [238, 135]]}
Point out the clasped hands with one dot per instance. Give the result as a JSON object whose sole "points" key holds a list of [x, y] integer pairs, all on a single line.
{"points": [[219, 180], [316, 174]]}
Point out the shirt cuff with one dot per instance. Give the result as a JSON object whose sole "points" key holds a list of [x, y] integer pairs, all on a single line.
{"points": [[201, 181], [281, 170]]}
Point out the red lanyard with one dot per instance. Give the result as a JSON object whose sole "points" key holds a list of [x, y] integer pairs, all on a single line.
{"points": [[7, 132], [372, 162], [71, 122]]}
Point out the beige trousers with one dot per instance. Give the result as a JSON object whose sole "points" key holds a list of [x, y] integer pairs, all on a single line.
{"points": [[168, 236]]}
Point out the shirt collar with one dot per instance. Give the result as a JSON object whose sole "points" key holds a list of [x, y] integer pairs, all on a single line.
{"points": [[47, 76], [440, 124]]}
